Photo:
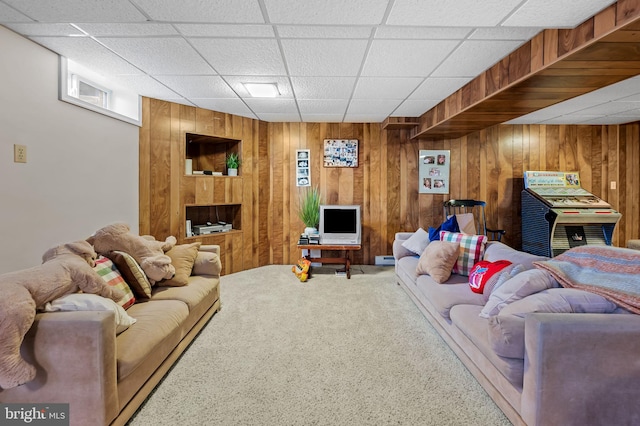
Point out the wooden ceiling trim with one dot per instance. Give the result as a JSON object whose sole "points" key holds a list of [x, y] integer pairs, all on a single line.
{"points": [[552, 67]]}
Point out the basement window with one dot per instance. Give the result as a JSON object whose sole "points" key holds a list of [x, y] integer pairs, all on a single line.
{"points": [[90, 92]]}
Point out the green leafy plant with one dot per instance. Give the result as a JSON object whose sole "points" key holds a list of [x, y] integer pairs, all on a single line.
{"points": [[309, 210], [233, 160]]}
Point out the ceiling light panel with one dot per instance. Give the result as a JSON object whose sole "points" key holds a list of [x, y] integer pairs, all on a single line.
{"points": [[262, 90], [237, 84], [407, 58], [219, 11], [438, 13], [327, 12], [324, 57], [160, 55], [78, 10], [554, 13], [87, 52], [241, 56]]}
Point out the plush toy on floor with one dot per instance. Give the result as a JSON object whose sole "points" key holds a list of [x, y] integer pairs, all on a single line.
{"points": [[148, 252], [65, 270], [302, 269]]}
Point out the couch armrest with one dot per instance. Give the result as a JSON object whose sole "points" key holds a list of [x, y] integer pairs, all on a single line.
{"points": [[208, 261], [75, 357], [581, 369], [398, 250]]}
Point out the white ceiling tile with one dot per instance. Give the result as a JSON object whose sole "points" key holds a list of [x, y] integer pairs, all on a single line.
{"points": [[236, 81], [323, 106], [181, 101], [632, 98], [422, 33], [78, 10], [461, 13], [323, 87], [473, 57], [324, 57], [266, 105], [37, 29], [505, 33], [128, 29], [328, 12], [372, 106], [279, 118], [610, 108], [159, 55], [87, 52], [219, 11], [145, 86], [322, 118], [555, 13], [241, 56], [230, 106], [310, 31], [227, 30], [438, 88], [610, 120], [9, 14], [364, 118], [198, 86], [411, 108], [385, 87], [406, 58]]}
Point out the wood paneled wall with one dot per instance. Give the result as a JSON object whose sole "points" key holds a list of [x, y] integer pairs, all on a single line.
{"points": [[486, 165]]}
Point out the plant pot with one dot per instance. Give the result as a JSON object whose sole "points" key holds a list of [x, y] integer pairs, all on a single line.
{"points": [[310, 231], [232, 172]]}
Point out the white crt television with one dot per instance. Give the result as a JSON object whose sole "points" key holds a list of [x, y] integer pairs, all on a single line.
{"points": [[340, 225]]}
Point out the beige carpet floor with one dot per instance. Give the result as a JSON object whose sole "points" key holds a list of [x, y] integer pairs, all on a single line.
{"points": [[330, 351]]}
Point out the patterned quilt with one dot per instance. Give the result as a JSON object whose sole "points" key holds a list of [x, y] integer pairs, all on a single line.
{"points": [[611, 272]]}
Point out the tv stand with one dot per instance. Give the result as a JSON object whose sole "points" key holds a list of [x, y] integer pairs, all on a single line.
{"points": [[346, 260]]}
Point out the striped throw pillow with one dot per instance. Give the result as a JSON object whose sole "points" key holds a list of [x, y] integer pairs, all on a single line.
{"points": [[110, 274], [471, 250]]}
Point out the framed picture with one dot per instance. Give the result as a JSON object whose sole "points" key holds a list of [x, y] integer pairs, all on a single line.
{"points": [[341, 153], [434, 171], [303, 169]]}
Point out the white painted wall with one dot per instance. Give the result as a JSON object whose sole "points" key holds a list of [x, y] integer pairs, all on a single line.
{"points": [[82, 167]]}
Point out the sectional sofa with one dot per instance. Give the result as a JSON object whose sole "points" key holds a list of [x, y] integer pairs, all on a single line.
{"points": [[540, 368], [106, 376]]}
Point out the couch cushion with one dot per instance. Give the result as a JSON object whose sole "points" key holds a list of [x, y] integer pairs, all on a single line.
{"points": [[157, 331], [438, 259], [499, 251], [452, 292], [466, 319], [197, 290], [506, 330]]}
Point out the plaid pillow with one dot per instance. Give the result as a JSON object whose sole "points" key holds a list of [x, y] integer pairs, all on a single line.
{"points": [[471, 250], [110, 274]]}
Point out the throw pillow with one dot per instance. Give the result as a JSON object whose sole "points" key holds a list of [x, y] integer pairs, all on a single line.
{"points": [[132, 274], [438, 259], [483, 271], [207, 263], [466, 223], [92, 302], [522, 285], [500, 278], [183, 257], [417, 242], [451, 225], [470, 252], [110, 274]]}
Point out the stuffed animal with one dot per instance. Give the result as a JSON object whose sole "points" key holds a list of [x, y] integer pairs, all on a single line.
{"points": [[65, 269], [302, 269], [148, 252]]}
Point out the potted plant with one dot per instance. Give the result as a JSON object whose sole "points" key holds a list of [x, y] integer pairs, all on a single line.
{"points": [[233, 162], [309, 209]]}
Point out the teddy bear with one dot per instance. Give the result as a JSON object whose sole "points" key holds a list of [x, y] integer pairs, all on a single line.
{"points": [[65, 269], [149, 253]]}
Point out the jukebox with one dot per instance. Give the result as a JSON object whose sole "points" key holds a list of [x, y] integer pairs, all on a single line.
{"points": [[558, 214]]}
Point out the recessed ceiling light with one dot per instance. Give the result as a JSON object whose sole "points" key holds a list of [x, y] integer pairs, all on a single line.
{"points": [[262, 90]]}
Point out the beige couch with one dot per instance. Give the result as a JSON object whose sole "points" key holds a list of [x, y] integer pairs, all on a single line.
{"points": [[567, 369], [104, 377]]}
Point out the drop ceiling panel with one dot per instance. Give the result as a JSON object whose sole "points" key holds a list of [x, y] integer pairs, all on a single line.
{"points": [[308, 31], [9, 14], [146, 86], [225, 31], [407, 58], [159, 55], [278, 117], [324, 106], [79, 10], [505, 33], [198, 86], [268, 105], [324, 57], [240, 56], [323, 87], [328, 12], [474, 56], [219, 11], [231, 106], [438, 88], [372, 106], [128, 29], [364, 118], [322, 118], [437, 13], [422, 33], [555, 14], [411, 108], [37, 29], [385, 87]]}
